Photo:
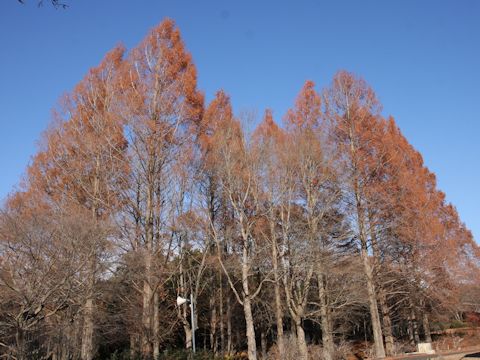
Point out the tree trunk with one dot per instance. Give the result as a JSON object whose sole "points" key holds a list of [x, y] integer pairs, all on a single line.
{"points": [[426, 327], [327, 331], [213, 325], [222, 325], [301, 342], [278, 299], [229, 326], [186, 325], [69, 347], [372, 296], [20, 342], [279, 317], [251, 342], [247, 306], [372, 299], [387, 323], [263, 344], [410, 331], [156, 324], [293, 329], [87, 332], [147, 310], [188, 336], [147, 283], [415, 339]]}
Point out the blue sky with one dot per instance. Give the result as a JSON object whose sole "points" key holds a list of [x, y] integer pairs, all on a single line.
{"points": [[421, 56]]}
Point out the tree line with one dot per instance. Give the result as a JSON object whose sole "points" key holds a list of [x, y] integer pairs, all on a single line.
{"points": [[328, 229]]}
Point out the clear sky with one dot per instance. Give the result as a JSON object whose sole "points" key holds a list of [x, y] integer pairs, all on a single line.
{"points": [[421, 56]]}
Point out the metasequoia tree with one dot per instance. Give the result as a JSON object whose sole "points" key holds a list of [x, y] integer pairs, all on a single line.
{"points": [[217, 116], [268, 140], [236, 168], [352, 108], [406, 232], [381, 174], [314, 196], [82, 165], [400, 196], [159, 104]]}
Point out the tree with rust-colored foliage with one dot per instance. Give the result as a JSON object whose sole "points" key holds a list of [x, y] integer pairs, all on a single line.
{"points": [[161, 107], [353, 109], [80, 170]]}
